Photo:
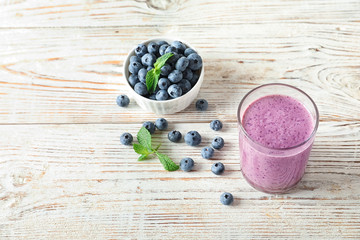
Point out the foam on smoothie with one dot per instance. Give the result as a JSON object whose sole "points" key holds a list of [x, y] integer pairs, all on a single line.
{"points": [[278, 121]]}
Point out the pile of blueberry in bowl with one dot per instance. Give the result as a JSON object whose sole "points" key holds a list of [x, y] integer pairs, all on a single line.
{"points": [[163, 75]]}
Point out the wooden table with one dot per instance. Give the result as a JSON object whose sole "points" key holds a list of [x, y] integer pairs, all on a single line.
{"points": [[63, 172]]}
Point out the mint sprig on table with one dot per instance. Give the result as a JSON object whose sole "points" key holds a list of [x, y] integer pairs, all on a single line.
{"points": [[152, 76], [144, 148]]}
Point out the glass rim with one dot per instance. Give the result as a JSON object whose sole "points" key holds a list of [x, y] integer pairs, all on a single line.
{"points": [[284, 85]]}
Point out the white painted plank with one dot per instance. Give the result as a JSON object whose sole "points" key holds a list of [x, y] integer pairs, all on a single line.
{"points": [[70, 13], [74, 76], [77, 181]]}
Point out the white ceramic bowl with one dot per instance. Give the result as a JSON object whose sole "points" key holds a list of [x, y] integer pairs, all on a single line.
{"points": [[167, 106]]}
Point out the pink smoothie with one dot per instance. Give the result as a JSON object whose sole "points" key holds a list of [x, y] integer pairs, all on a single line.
{"points": [[274, 124]]}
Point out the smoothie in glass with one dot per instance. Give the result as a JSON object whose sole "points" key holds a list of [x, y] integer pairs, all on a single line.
{"points": [[276, 132]]}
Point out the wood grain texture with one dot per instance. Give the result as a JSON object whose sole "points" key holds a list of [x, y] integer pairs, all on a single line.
{"points": [[63, 177], [63, 172]]}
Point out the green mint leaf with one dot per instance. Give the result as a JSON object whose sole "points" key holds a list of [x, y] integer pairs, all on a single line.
{"points": [[150, 80], [158, 147], [168, 164], [144, 138], [142, 157], [155, 82], [160, 62], [140, 149]]}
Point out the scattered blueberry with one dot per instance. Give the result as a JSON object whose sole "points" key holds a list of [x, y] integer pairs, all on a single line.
{"points": [[187, 74], [165, 70], [135, 59], [133, 79], [218, 168], [153, 47], [195, 61], [185, 85], [186, 164], [150, 126], [134, 67], [207, 152], [162, 95], [216, 125], [161, 124], [123, 100], [174, 136], [140, 50], [148, 59], [179, 46], [174, 91], [126, 139], [226, 198], [182, 63], [163, 48], [142, 75], [189, 51], [217, 143], [201, 105], [192, 138], [140, 88], [175, 76], [163, 83]]}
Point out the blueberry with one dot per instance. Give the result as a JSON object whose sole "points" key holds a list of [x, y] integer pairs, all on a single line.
{"points": [[185, 85], [165, 70], [195, 61], [161, 124], [150, 126], [189, 51], [163, 48], [126, 139], [142, 75], [188, 74], [175, 76], [140, 50], [207, 152], [123, 100], [149, 68], [162, 95], [216, 125], [194, 79], [153, 48], [162, 43], [135, 59], [179, 46], [174, 136], [174, 91], [133, 79], [182, 63], [186, 164], [152, 96], [141, 89], [201, 105], [226, 198], [192, 138], [134, 67], [218, 143], [163, 83], [172, 60], [218, 168], [148, 59], [171, 49]]}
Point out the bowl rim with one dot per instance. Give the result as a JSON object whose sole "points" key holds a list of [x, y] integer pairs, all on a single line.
{"points": [[132, 53]]}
